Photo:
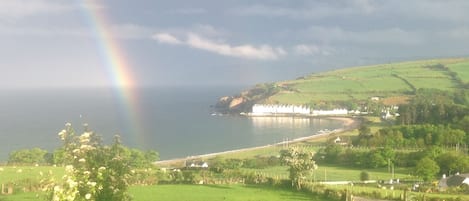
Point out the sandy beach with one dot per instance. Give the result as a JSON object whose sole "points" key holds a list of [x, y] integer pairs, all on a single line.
{"points": [[349, 123]]}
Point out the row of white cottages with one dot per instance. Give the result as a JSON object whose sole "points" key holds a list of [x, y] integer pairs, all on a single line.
{"points": [[273, 109]]}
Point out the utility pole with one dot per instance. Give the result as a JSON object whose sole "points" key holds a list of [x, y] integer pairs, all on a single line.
{"points": [[392, 170], [325, 175]]}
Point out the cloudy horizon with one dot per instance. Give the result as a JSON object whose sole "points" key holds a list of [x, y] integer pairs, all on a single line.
{"points": [[52, 43]]}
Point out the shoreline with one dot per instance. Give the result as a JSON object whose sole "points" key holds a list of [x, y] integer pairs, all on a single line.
{"points": [[348, 123]]}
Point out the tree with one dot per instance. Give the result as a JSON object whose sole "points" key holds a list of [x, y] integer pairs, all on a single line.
{"points": [[301, 164], [27, 156], [93, 171], [332, 153], [364, 176], [364, 130], [426, 169], [452, 162], [376, 160]]}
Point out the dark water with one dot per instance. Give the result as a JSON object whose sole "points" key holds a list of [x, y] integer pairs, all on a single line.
{"points": [[177, 122]]}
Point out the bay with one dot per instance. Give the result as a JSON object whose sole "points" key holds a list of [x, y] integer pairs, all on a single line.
{"points": [[175, 121]]}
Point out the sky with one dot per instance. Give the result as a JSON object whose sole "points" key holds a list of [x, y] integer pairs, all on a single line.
{"points": [[54, 43]]}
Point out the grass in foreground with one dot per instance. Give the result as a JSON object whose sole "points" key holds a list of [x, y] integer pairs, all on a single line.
{"points": [[22, 197], [197, 193], [19, 173], [216, 192]]}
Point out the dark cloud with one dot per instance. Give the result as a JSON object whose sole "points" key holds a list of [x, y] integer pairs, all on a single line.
{"points": [[252, 41]]}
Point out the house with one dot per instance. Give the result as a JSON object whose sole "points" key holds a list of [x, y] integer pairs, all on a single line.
{"points": [[196, 164], [454, 181], [340, 141], [272, 109], [334, 112]]}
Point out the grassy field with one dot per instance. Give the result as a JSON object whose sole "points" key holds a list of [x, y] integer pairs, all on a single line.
{"points": [[195, 193], [216, 192], [395, 80], [16, 174], [334, 173]]}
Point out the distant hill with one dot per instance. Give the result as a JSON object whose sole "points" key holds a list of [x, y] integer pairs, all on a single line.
{"points": [[390, 84]]}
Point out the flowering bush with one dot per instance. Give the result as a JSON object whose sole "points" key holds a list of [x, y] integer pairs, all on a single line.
{"points": [[94, 171], [301, 164]]}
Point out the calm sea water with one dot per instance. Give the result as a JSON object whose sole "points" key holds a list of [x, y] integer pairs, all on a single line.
{"points": [[177, 122]]}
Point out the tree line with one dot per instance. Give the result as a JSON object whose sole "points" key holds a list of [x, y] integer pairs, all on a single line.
{"points": [[36, 156]]}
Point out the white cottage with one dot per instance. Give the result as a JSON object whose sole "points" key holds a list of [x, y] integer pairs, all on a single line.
{"points": [[272, 109]]}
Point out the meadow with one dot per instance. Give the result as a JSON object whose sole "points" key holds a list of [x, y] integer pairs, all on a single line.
{"points": [[217, 192], [394, 80], [196, 193]]}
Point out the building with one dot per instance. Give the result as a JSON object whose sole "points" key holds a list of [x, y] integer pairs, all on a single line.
{"points": [[334, 112], [453, 181], [282, 109], [272, 109], [196, 164]]}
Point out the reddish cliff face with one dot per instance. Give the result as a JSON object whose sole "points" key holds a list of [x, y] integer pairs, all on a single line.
{"points": [[237, 102], [245, 100], [231, 104]]}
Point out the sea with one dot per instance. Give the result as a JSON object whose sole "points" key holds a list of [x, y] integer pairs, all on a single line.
{"points": [[177, 122]]}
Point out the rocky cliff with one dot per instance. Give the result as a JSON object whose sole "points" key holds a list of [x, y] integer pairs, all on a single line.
{"points": [[244, 101]]}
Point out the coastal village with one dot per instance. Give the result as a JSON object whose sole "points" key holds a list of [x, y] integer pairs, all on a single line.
{"points": [[272, 109], [302, 110]]}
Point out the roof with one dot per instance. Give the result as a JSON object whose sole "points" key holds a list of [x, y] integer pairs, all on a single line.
{"points": [[455, 180]]}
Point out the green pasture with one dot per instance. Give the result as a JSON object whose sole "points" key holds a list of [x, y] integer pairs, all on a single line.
{"points": [[361, 83], [23, 196], [461, 69], [20, 173], [334, 173], [216, 192], [436, 83], [196, 193]]}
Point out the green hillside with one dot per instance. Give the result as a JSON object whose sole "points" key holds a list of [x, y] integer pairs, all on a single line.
{"points": [[393, 83]]}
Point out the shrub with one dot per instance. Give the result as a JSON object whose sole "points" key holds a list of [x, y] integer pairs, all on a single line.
{"points": [[93, 171], [364, 176]]}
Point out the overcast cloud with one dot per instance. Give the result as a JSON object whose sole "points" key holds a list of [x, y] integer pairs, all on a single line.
{"points": [[53, 43]]}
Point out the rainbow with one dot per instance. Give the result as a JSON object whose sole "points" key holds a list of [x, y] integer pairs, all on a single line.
{"points": [[117, 66]]}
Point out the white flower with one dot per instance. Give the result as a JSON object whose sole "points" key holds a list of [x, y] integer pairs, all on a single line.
{"points": [[87, 196], [69, 168], [82, 160], [102, 168], [93, 184], [71, 183], [86, 147], [85, 137], [62, 134], [57, 188]]}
